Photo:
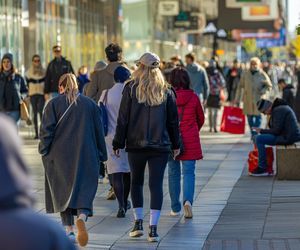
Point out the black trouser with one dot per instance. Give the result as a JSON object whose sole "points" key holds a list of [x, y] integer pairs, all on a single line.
{"points": [[67, 216], [37, 103], [121, 185], [157, 162]]}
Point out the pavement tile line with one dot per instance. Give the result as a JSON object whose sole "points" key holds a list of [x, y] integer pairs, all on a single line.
{"points": [[216, 176]]}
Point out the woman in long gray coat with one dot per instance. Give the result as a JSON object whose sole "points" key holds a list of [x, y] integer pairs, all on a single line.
{"points": [[72, 145]]}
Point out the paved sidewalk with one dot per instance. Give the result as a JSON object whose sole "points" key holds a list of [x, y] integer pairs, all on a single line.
{"points": [[262, 213], [225, 157]]}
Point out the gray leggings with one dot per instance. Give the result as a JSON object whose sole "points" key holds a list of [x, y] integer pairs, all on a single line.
{"points": [[212, 117], [67, 216]]}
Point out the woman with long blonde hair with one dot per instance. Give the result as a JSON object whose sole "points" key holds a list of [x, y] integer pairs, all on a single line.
{"points": [[72, 146], [148, 126]]}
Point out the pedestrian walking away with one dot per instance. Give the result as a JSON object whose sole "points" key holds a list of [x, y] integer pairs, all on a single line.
{"points": [[117, 167], [35, 78], [21, 227], [216, 85], [198, 76], [283, 130], [148, 126], [254, 85], [191, 118], [12, 88], [56, 68], [72, 145]]}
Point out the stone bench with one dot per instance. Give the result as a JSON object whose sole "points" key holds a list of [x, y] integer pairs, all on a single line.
{"points": [[288, 162]]}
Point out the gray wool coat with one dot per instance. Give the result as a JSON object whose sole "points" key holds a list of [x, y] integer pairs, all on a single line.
{"points": [[71, 153]]}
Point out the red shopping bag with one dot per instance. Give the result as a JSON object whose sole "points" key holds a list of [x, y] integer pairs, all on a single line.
{"points": [[233, 120], [253, 160]]}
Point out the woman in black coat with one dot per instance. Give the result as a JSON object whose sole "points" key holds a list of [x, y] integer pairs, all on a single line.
{"points": [[12, 86], [72, 145], [297, 99], [148, 126]]}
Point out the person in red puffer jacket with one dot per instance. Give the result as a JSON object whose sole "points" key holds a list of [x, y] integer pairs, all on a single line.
{"points": [[191, 117]]}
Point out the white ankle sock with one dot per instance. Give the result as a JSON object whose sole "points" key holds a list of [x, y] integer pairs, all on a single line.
{"points": [[138, 213], [154, 217]]}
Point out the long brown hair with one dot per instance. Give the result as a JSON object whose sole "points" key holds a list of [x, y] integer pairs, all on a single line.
{"points": [[69, 83]]}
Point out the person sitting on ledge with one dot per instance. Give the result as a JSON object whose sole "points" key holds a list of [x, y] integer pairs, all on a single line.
{"points": [[283, 130]]}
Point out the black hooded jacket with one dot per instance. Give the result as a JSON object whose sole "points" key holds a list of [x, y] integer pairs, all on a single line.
{"points": [[21, 228], [289, 95], [144, 127], [283, 124]]}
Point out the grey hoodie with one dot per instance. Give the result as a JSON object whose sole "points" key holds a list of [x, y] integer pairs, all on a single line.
{"points": [[199, 79]]}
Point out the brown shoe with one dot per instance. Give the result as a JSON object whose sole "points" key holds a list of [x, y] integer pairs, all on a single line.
{"points": [[188, 212], [82, 235]]}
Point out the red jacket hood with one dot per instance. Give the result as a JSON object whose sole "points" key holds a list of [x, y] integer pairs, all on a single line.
{"points": [[183, 96]]}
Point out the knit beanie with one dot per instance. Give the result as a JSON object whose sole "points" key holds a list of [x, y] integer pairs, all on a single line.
{"points": [[8, 56], [121, 74]]}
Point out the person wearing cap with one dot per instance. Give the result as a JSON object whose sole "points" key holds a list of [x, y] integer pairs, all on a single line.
{"points": [[56, 68], [12, 88], [198, 76], [283, 130], [254, 85], [104, 79], [117, 167], [21, 227], [147, 126]]}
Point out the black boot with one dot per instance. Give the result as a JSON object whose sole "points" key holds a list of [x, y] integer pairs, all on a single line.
{"points": [[121, 213], [137, 230], [153, 236]]}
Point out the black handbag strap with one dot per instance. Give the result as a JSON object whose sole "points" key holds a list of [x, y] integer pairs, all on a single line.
{"points": [[64, 114]]}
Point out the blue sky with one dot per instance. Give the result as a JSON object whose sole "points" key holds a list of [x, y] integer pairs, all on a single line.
{"points": [[293, 14]]}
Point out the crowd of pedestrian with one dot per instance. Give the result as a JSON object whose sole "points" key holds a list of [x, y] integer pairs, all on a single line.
{"points": [[151, 116]]}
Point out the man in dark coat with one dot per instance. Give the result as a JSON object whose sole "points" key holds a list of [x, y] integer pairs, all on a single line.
{"points": [[283, 130], [56, 68], [288, 92], [72, 145], [21, 228]]}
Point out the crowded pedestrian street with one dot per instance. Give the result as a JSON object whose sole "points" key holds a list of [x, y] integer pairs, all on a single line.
{"points": [[150, 124], [227, 199]]}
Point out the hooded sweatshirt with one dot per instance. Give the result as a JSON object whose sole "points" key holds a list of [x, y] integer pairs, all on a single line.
{"points": [[289, 95], [102, 79], [191, 117], [199, 79], [21, 228]]}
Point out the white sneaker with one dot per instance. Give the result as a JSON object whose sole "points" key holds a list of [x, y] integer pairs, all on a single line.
{"points": [[174, 214], [188, 213]]}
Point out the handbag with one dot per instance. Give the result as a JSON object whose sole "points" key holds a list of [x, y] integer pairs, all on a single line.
{"points": [[104, 116], [233, 120], [24, 114]]}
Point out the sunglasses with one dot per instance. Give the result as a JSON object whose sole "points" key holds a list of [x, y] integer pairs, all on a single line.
{"points": [[36, 60], [56, 51]]}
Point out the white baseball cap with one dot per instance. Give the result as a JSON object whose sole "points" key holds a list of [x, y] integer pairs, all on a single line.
{"points": [[149, 59]]}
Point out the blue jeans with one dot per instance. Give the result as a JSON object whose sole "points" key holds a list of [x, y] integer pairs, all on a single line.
{"points": [[15, 115], [261, 141], [254, 121], [188, 171]]}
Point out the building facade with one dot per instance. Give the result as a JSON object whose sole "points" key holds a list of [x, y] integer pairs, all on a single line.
{"points": [[82, 27]]}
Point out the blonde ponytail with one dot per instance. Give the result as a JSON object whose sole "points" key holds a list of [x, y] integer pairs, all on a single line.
{"points": [[69, 83]]}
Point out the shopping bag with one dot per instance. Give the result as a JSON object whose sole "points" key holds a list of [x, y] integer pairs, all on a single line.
{"points": [[24, 114], [253, 160], [233, 120]]}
